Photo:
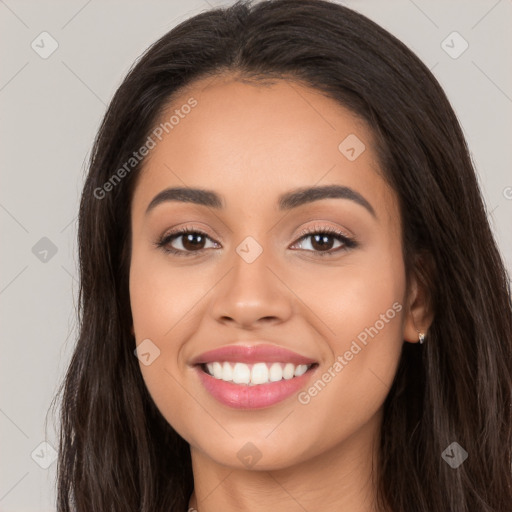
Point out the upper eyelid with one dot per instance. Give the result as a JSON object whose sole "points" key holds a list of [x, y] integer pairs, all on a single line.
{"points": [[304, 233], [324, 229]]}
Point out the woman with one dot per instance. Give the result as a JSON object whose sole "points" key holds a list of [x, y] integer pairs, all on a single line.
{"points": [[290, 295]]}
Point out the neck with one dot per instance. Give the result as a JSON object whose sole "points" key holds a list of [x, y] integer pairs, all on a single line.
{"points": [[344, 478]]}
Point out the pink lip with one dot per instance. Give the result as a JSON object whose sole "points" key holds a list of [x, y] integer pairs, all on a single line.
{"points": [[251, 354], [241, 396]]}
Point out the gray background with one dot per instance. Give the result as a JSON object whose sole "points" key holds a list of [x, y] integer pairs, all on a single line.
{"points": [[50, 111]]}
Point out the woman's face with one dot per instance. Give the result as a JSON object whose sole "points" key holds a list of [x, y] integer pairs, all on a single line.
{"points": [[253, 280]]}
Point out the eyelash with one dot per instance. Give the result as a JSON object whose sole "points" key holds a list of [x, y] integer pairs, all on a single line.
{"points": [[348, 243]]}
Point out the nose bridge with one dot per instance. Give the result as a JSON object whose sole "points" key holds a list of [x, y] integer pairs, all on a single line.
{"points": [[250, 279], [251, 291], [251, 261]]}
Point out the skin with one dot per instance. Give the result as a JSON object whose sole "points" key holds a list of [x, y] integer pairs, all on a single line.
{"points": [[250, 143]]}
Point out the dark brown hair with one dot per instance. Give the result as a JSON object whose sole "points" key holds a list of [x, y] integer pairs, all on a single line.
{"points": [[117, 452]]}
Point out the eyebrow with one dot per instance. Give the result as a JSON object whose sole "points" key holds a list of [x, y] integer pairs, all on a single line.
{"points": [[287, 201]]}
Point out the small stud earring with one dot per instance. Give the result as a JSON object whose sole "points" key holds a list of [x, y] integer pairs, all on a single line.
{"points": [[422, 337]]}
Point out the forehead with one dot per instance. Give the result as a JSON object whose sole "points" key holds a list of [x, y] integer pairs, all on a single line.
{"points": [[253, 141]]}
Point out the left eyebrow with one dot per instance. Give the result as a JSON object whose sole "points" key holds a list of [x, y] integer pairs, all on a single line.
{"points": [[302, 196], [287, 201]]}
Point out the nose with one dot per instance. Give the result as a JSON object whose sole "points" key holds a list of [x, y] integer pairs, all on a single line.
{"points": [[252, 295]]}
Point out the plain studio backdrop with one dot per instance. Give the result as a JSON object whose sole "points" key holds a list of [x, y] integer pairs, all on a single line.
{"points": [[61, 64]]}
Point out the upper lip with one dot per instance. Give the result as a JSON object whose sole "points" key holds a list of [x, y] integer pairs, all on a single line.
{"points": [[251, 354]]}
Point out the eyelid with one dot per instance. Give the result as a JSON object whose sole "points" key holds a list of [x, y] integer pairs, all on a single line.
{"points": [[348, 241], [319, 228], [169, 235]]}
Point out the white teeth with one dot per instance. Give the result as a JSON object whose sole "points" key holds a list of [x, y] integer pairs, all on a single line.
{"points": [[301, 370], [241, 374], [227, 372], [217, 370], [276, 372], [288, 371], [258, 373]]}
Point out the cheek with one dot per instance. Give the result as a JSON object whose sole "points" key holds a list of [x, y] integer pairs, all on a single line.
{"points": [[161, 301], [162, 295], [368, 321], [361, 314], [166, 304], [346, 299]]}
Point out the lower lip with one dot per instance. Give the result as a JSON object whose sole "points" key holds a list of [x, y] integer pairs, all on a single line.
{"points": [[242, 396]]}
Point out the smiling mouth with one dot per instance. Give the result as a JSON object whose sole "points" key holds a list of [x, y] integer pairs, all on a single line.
{"points": [[254, 374]]}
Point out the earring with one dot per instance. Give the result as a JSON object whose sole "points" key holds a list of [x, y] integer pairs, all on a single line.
{"points": [[422, 337]]}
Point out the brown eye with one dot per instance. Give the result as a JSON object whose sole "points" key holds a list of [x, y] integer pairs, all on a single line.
{"points": [[323, 241], [185, 242], [193, 241]]}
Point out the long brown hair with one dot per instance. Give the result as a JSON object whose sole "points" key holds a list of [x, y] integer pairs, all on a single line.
{"points": [[117, 452]]}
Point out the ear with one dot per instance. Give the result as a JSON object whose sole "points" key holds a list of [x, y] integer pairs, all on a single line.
{"points": [[418, 311]]}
